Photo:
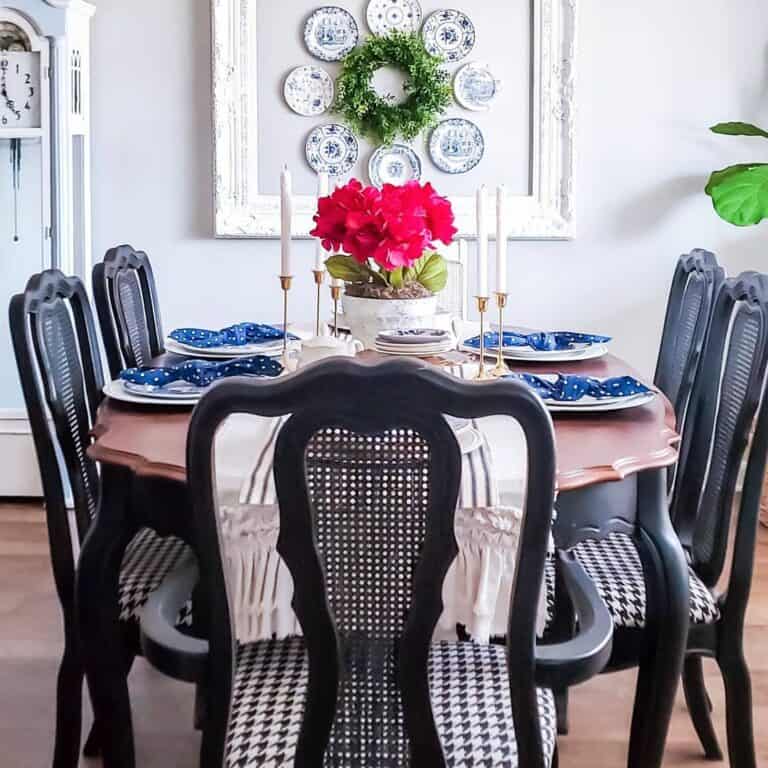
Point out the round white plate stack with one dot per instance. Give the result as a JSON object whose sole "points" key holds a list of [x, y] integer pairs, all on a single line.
{"points": [[417, 342]]}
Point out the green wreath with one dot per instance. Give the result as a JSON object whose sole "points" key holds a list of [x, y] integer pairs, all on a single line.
{"points": [[426, 85]]}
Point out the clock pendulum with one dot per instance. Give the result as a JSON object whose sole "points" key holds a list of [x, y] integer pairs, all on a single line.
{"points": [[16, 184]]}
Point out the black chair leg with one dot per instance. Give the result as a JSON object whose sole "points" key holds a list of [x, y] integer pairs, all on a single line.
{"points": [[561, 707], [700, 706], [738, 711], [69, 711]]}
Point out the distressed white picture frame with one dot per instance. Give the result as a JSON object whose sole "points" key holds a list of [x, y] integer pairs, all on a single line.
{"points": [[243, 212]]}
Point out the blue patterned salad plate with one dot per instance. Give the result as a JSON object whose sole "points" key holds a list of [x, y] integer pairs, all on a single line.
{"points": [[475, 86], [448, 34], [385, 16], [395, 164], [308, 90], [456, 145], [332, 148], [330, 33]]}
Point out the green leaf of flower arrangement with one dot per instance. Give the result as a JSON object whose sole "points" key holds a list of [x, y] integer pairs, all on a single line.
{"points": [[430, 270], [739, 129], [740, 193], [347, 269]]}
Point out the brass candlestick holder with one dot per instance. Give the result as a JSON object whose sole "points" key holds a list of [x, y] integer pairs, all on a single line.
{"points": [[482, 308], [501, 369], [285, 285], [319, 277], [335, 295]]}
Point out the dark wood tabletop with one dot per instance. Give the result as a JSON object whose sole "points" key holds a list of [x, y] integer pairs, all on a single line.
{"points": [[151, 440]]}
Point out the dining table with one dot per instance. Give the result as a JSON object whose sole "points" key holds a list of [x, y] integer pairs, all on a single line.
{"points": [[611, 477]]}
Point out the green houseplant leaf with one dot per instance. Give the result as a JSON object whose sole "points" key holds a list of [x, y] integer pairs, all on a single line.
{"points": [[739, 129], [430, 270], [346, 268], [740, 193]]}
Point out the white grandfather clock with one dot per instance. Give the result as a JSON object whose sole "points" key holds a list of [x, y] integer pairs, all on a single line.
{"points": [[44, 181]]}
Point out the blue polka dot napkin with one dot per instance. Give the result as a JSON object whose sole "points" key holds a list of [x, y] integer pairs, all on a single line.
{"points": [[201, 373], [567, 388], [542, 342], [234, 336]]}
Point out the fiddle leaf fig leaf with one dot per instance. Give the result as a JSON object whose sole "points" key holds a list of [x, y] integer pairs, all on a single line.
{"points": [[740, 193], [739, 129], [346, 268], [430, 270]]}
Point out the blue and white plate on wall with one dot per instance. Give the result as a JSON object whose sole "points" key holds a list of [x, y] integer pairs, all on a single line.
{"points": [[394, 164], [308, 90], [456, 145], [330, 33], [449, 34], [332, 149], [475, 86], [385, 16]]}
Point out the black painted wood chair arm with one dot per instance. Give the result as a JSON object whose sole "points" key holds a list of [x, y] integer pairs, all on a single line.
{"points": [[585, 655], [175, 654]]}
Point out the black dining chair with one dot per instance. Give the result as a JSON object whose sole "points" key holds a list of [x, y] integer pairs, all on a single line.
{"points": [[55, 343], [722, 412], [129, 314], [367, 472]]}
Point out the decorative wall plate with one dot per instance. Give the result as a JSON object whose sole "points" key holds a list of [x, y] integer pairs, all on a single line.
{"points": [[475, 87], [385, 16], [308, 90], [331, 148], [448, 34], [394, 164], [330, 33], [456, 145]]}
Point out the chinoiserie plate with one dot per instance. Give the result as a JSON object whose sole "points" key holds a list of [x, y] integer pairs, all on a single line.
{"points": [[475, 86], [448, 34], [330, 33], [331, 148], [456, 145], [385, 16], [308, 90], [395, 164]]}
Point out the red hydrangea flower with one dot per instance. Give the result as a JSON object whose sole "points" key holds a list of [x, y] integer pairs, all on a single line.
{"points": [[393, 226]]}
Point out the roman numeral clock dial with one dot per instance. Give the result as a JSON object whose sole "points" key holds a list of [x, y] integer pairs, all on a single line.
{"points": [[19, 89]]}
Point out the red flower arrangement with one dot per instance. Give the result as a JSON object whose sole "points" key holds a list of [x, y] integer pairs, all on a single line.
{"points": [[394, 227]]}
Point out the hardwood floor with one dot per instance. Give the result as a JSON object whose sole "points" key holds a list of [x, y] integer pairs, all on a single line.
{"points": [[30, 643]]}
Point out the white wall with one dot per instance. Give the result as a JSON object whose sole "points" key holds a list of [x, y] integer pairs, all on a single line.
{"points": [[651, 77]]}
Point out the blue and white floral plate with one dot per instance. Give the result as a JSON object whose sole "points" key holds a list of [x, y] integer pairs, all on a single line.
{"points": [[475, 86], [395, 164], [385, 16], [330, 33], [332, 148], [308, 90], [449, 34], [456, 145]]}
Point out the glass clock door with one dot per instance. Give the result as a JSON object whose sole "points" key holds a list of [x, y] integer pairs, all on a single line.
{"points": [[22, 243]]}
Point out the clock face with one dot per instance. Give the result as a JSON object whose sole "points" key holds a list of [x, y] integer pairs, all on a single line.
{"points": [[19, 89]]}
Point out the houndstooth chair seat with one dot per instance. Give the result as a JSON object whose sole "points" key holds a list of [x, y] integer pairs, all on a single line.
{"points": [[147, 561], [614, 566], [469, 686]]}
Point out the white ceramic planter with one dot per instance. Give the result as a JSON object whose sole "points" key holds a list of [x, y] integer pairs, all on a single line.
{"points": [[366, 317]]}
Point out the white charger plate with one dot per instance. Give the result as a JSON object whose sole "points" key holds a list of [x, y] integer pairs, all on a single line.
{"points": [[585, 352], [117, 391], [595, 405]]}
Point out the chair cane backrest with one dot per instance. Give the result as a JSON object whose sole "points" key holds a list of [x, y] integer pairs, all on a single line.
{"points": [[129, 315], [367, 472], [56, 349], [695, 285], [726, 396]]}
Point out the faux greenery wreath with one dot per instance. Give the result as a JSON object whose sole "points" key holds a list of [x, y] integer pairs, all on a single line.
{"points": [[426, 85]]}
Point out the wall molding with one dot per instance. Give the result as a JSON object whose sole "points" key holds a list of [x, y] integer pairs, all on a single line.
{"points": [[242, 211]]}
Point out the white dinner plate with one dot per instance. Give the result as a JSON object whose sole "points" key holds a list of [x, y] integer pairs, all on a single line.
{"points": [[595, 405], [583, 352], [117, 391], [409, 351], [270, 349], [414, 336], [175, 390]]}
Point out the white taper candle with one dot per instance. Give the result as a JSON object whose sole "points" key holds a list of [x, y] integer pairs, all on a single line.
{"points": [[286, 216], [482, 241], [501, 239], [323, 186]]}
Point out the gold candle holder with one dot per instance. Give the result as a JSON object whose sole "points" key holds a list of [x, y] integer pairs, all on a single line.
{"points": [[335, 295], [285, 285], [501, 369], [319, 277], [482, 308]]}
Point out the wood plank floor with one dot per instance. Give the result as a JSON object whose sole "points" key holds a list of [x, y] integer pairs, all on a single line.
{"points": [[31, 639]]}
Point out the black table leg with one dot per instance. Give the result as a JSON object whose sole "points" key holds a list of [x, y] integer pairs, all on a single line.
{"points": [[98, 617], [667, 613]]}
